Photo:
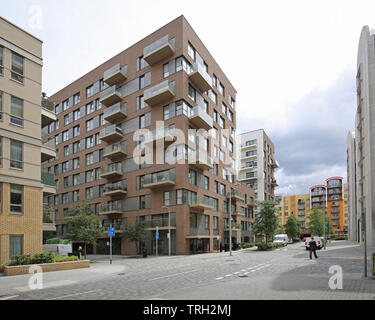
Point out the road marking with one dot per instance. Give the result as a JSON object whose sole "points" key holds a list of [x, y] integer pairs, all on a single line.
{"points": [[246, 272], [9, 297], [228, 275], [237, 272], [220, 278], [74, 294], [172, 275], [243, 270]]}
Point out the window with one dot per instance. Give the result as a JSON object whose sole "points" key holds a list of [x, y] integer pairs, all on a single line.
{"points": [[90, 107], [90, 176], [75, 163], [221, 122], [65, 166], [1, 103], [103, 85], [141, 82], [89, 91], [76, 131], [192, 93], [142, 202], [66, 151], [206, 182], [66, 135], [142, 123], [206, 221], [212, 95], [15, 245], [1, 60], [214, 81], [76, 179], [65, 198], [66, 119], [65, 105], [221, 89], [191, 51], [89, 193], [141, 63], [16, 154], [16, 111], [192, 177], [16, 198], [140, 104], [75, 195], [215, 224], [89, 142], [77, 98], [166, 70], [193, 220], [89, 159], [89, 125], [76, 147], [76, 114], [17, 67]]}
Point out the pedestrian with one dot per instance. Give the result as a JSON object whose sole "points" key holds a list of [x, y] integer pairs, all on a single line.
{"points": [[80, 252], [221, 246], [312, 248]]}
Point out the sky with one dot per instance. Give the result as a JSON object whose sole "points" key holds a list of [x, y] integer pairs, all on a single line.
{"points": [[293, 63]]}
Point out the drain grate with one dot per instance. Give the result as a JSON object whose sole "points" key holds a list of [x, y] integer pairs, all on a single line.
{"points": [[121, 274], [243, 276]]}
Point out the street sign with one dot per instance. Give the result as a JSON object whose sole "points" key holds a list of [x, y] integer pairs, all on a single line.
{"points": [[157, 235], [111, 232]]}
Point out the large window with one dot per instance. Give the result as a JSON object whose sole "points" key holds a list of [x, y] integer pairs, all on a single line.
{"points": [[1, 104], [17, 67], [16, 198], [16, 111], [191, 51], [16, 154], [1, 60], [15, 245]]}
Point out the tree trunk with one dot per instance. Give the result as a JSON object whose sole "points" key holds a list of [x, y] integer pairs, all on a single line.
{"points": [[85, 251]]}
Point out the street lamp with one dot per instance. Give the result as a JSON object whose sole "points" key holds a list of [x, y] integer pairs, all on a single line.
{"points": [[169, 229], [230, 217]]}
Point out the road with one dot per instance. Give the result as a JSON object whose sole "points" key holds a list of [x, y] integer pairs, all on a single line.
{"points": [[286, 273]]}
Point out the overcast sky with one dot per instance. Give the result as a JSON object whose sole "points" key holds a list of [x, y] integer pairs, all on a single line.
{"points": [[293, 63]]}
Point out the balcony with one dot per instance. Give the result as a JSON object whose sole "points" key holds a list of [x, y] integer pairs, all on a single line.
{"points": [[114, 207], [116, 151], [48, 117], [115, 113], [245, 146], [274, 165], [158, 50], [116, 189], [159, 93], [161, 223], [159, 179], [203, 203], [111, 133], [110, 96], [274, 183], [48, 149], [48, 182], [200, 77], [237, 195], [113, 170], [201, 160], [200, 118], [161, 133], [115, 75], [118, 226], [335, 216], [49, 226]]}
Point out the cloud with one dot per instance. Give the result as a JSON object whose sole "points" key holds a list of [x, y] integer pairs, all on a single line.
{"points": [[310, 136]]}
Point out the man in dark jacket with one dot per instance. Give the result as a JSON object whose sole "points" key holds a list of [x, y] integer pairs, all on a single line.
{"points": [[312, 247]]}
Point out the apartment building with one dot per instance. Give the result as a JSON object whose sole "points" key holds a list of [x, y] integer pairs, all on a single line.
{"points": [[354, 218], [22, 184], [297, 206], [331, 198], [152, 129], [256, 164], [362, 184], [279, 207]]}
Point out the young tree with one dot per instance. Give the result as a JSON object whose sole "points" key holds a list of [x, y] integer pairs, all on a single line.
{"points": [[266, 221], [134, 233], [83, 225], [316, 223], [292, 228]]}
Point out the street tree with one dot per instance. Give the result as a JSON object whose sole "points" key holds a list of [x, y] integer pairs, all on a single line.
{"points": [[83, 225], [266, 221], [292, 227], [316, 223], [136, 233]]}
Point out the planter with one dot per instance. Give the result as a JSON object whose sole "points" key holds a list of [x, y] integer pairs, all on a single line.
{"points": [[47, 267]]}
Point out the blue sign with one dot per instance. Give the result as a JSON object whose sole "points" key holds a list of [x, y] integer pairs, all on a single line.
{"points": [[111, 232], [157, 235]]}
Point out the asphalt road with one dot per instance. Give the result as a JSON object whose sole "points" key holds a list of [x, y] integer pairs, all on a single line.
{"points": [[286, 273]]}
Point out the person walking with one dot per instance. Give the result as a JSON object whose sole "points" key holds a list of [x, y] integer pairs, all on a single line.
{"points": [[312, 247]]}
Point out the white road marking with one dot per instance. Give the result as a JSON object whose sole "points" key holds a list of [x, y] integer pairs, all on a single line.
{"points": [[74, 294], [9, 297], [47, 285], [238, 272], [220, 278], [172, 275], [246, 272], [228, 275]]}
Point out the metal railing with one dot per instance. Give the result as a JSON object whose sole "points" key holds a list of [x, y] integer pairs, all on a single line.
{"points": [[113, 167], [159, 177], [116, 68], [157, 45], [118, 107], [120, 185]]}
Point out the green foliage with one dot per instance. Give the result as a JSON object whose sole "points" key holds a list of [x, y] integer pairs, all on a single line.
{"points": [[266, 246], [58, 241], [39, 258], [266, 221], [246, 245], [134, 233], [83, 225], [316, 223], [292, 228]]}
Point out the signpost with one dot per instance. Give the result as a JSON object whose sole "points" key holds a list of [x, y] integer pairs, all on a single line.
{"points": [[111, 233], [364, 238], [157, 238]]}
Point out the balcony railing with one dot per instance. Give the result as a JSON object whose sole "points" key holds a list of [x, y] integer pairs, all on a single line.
{"points": [[201, 159], [200, 77], [113, 170], [115, 75], [48, 178], [237, 195], [200, 118], [111, 208], [111, 133], [116, 150], [115, 113], [160, 223], [159, 179], [159, 93], [48, 115], [203, 203], [160, 133], [274, 183], [158, 50], [116, 188], [48, 149], [110, 96]]}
